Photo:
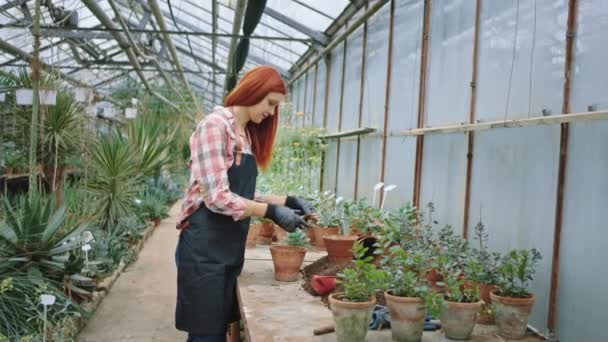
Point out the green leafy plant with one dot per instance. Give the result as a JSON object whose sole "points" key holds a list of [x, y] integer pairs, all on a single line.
{"points": [[482, 266], [150, 140], [361, 280], [325, 206], [297, 238], [516, 271], [406, 277], [154, 207], [455, 290]]}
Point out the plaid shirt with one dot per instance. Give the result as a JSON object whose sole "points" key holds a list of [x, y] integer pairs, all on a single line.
{"points": [[212, 147]]}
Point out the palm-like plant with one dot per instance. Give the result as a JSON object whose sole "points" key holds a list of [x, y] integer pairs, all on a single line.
{"points": [[117, 178], [151, 141]]}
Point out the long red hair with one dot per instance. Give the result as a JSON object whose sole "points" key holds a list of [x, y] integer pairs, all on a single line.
{"points": [[251, 90]]}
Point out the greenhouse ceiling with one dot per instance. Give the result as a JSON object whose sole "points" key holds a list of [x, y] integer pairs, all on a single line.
{"points": [[100, 44]]}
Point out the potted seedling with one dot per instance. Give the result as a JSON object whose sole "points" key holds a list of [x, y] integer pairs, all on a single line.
{"points": [[327, 222], [409, 297], [512, 301], [340, 246], [352, 308], [252, 232], [459, 314], [266, 232], [288, 256], [481, 270]]}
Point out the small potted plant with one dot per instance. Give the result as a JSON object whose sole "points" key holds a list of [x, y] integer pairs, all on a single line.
{"points": [[288, 257], [409, 297], [512, 301], [459, 314], [266, 231], [340, 246], [154, 209], [481, 270], [252, 232], [352, 308], [328, 222]]}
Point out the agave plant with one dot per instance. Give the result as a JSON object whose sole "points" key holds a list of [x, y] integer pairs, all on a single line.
{"points": [[36, 240], [150, 140], [117, 178]]}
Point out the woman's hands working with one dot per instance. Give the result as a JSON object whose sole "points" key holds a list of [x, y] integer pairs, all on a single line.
{"points": [[284, 211]]}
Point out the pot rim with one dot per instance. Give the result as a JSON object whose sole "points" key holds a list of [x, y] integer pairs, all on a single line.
{"points": [[287, 247], [512, 300], [478, 303], [402, 299], [339, 237], [350, 305]]}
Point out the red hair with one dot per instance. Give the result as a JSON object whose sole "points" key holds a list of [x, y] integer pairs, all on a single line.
{"points": [[251, 90]]}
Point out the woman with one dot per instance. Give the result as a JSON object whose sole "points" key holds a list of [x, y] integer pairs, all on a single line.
{"points": [[226, 149]]}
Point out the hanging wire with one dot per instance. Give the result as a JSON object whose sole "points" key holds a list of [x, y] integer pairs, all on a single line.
{"points": [[513, 59], [531, 62], [187, 36]]}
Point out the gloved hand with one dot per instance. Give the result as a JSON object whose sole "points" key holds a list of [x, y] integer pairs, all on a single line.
{"points": [[285, 218], [297, 203]]}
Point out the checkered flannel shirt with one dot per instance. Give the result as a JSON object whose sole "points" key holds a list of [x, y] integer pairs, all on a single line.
{"points": [[211, 155]]}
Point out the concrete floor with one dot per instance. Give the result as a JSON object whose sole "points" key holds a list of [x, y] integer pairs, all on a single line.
{"points": [[140, 307]]}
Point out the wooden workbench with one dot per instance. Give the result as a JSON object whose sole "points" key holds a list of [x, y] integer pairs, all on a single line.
{"points": [[275, 311]]}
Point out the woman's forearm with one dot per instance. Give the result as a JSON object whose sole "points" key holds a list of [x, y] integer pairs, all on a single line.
{"points": [[254, 209], [272, 199]]}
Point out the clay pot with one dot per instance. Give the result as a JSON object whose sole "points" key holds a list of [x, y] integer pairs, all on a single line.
{"points": [[323, 284], [266, 233], [351, 318], [407, 317], [252, 235], [156, 221], [432, 276], [512, 315], [340, 247], [320, 232], [458, 319], [310, 233], [287, 261], [484, 291]]}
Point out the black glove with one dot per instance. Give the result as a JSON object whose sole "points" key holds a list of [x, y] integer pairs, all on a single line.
{"points": [[285, 218], [304, 207]]}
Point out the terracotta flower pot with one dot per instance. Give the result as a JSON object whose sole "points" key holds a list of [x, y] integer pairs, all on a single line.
{"points": [[458, 319], [252, 235], [433, 277], [512, 315], [287, 261], [156, 221], [340, 247], [266, 233], [484, 291], [407, 317], [323, 284], [351, 318], [320, 232], [310, 233]]}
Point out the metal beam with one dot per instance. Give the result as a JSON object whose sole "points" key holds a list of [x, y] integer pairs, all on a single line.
{"points": [[317, 36], [107, 22], [10, 5]]}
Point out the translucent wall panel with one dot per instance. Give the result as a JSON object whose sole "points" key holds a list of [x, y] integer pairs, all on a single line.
{"points": [[450, 62], [319, 109], [513, 185], [370, 164], [352, 81], [374, 84], [405, 73], [310, 86], [582, 289], [590, 82], [536, 69], [443, 177], [331, 162], [301, 98], [346, 168], [334, 95], [399, 170]]}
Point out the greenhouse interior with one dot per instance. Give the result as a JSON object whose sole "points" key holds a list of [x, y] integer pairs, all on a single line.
{"points": [[303, 170]]}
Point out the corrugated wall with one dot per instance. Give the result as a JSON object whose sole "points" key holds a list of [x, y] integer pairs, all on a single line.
{"points": [[522, 57]]}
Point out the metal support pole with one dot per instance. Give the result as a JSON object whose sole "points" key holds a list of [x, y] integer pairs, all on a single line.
{"points": [[387, 97], [36, 75], [239, 12]]}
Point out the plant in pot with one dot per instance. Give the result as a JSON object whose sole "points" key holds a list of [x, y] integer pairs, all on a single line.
{"points": [[340, 246], [154, 209], [288, 257], [252, 232], [459, 314], [328, 219], [352, 308], [409, 297], [512, 301], [481, 270]]}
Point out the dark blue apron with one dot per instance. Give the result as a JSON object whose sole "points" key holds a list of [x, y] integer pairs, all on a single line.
{"points": [[210, 256]]}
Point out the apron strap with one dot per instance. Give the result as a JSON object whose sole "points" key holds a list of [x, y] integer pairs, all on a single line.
{"points": [[239, 152]]}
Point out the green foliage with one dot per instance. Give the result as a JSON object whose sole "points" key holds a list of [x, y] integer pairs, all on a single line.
{"points": [[13, 157], [150, 141], [516, 271], [297, 238], [406, 277], [363, 216], [34, 239], [117, 179], [154, 207], [325, 206], [482, 266], [455, 290], [400, 228], [361, 280]]}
